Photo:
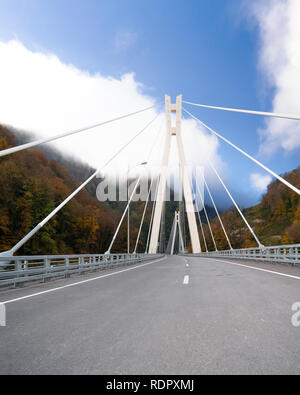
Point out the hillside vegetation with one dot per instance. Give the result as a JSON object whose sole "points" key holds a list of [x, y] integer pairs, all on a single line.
{"points": [[276, 220], [31, 187], [34, 182]]}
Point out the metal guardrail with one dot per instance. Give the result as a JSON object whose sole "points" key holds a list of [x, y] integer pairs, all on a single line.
{"points": [[20, 269], [278, 254]]}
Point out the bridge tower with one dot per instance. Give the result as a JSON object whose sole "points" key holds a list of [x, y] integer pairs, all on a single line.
{"points": [[174, 131]]}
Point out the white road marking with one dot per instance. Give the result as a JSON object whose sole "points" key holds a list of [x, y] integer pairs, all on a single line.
{"points": [[257, 268], [2, 314], [80, 282], [186, 280], [187, 265]]}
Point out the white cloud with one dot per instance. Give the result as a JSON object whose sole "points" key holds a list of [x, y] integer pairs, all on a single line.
{"points": [[260, 181], [279, 28], [41, 94]]}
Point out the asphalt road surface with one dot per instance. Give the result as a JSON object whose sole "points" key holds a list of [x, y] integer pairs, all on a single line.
{"points": [[175, 316]]}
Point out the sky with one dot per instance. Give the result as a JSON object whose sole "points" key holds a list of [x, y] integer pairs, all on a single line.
{"points": [[68, 64]]}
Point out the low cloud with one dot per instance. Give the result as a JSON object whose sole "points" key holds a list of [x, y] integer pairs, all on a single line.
{"points": [[41, 94], [260, 181], [279, 60]]}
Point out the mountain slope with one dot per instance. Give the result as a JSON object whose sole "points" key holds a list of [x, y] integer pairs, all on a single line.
{"points": [[276, 220], [31, 187]]}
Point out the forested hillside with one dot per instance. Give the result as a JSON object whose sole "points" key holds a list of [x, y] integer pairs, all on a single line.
{"points": [[32, 186], [276, 220]]}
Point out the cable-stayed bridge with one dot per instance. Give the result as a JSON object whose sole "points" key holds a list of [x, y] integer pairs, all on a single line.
{"points": [[152, 311]]}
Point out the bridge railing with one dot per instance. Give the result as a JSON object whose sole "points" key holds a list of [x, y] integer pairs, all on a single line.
{"points": [[278, 254], [20, 269]]}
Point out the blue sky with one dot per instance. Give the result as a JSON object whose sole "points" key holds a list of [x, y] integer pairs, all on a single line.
{"points": [[207, 50]]}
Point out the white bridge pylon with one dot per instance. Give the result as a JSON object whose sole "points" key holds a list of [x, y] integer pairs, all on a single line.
{"points": [[174, 131]]}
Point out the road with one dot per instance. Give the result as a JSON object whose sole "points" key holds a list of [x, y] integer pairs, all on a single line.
{"points": [[175, 316]]}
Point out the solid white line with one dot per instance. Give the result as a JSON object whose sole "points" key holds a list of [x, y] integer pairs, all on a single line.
{"points": [[257, 268], [2, 314], [186, 280], [80, 282]]}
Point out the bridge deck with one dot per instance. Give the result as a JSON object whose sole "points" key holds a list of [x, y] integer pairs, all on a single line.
{"points": [[213, 317]]}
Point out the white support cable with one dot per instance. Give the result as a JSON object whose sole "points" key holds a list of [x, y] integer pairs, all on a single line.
{"points": [[150, 227], [142, 220], [129, 202], [208, 222], [152, 216], [156, 140], [128, 223], [236, 205], [215, 207], [262, 113], [174, 234], [201, 226], [181, 244], [42, 223], [61, 135], [247, 155], [148, 197], [170, 242], [123, 216]]}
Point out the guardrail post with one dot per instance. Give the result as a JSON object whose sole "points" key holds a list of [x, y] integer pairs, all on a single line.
{"points": [[109, 259], [291, 253], [18, 267], [47, 263], [67, 264], [47, 267], [81, 263]]}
